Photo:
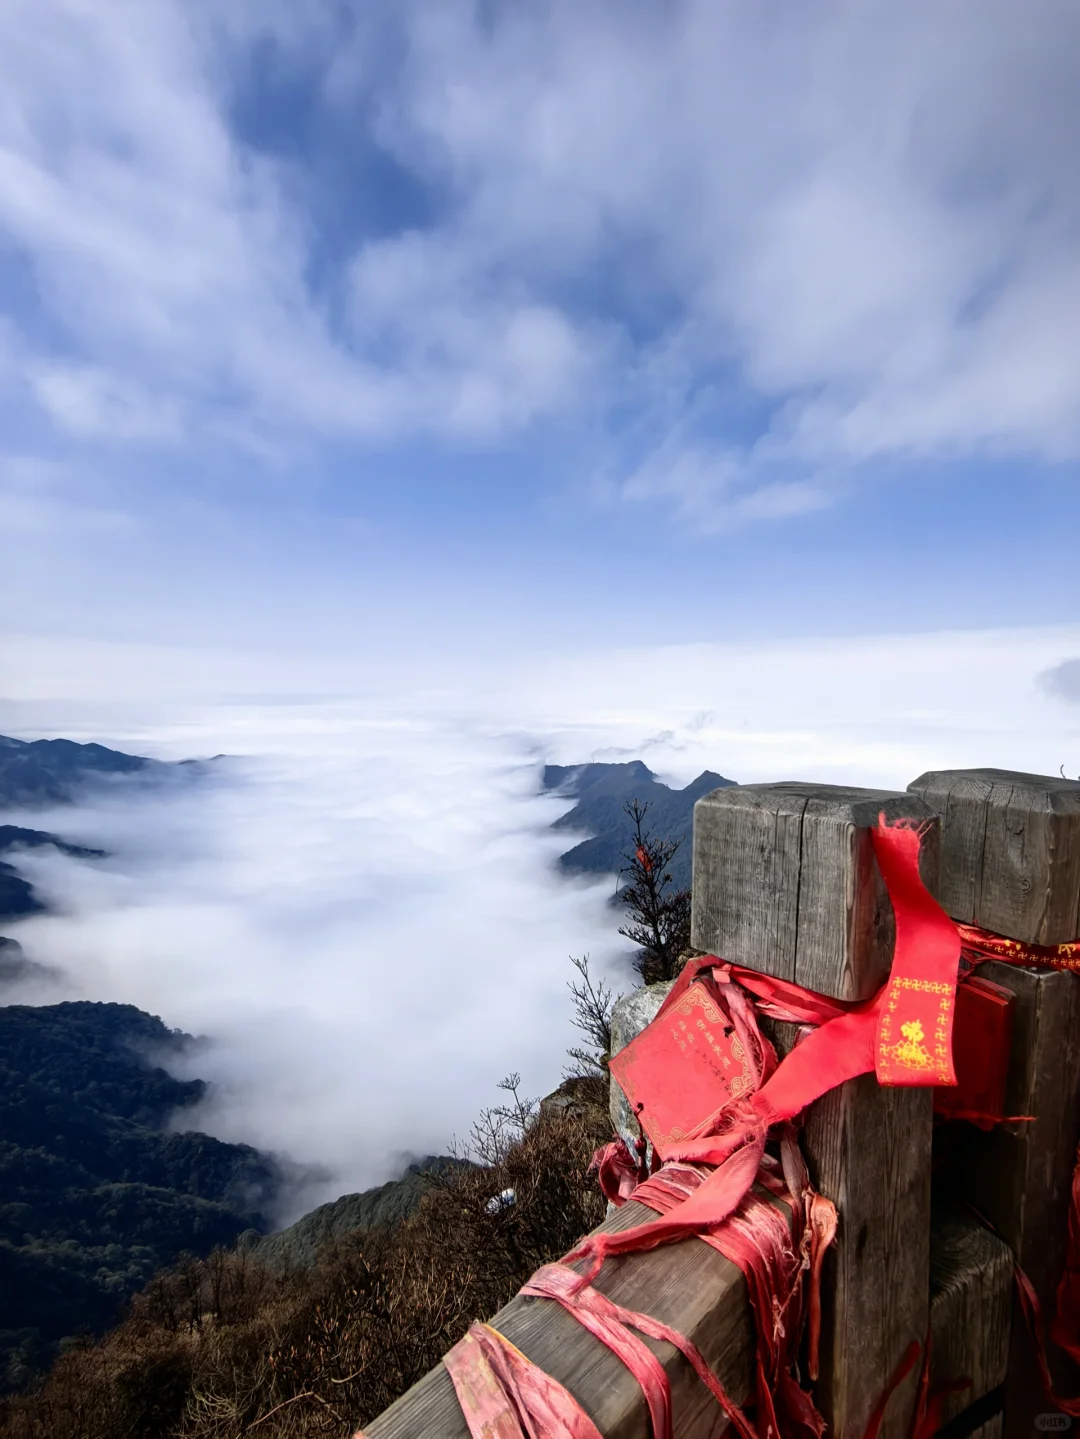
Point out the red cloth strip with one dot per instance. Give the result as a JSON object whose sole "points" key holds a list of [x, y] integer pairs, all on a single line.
{"points": [[504, 1395], [1065, 1330], [987, 945], [610, 1321], [773, 1252], [1029, 1303], [904, 1033], [915, 1020]]}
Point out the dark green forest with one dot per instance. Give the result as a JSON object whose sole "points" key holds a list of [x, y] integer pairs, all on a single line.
{"points": [[94, 1196]]}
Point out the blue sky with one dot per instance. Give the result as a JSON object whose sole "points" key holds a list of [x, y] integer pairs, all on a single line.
{"points": [[451, 324]]}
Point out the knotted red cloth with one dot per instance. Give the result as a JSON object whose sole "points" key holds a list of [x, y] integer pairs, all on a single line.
{"points": [[904, 1034], [504, 1395], [777, 1254]]}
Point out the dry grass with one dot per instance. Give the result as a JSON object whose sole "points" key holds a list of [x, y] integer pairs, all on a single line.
{"points": [[224, 1347]]}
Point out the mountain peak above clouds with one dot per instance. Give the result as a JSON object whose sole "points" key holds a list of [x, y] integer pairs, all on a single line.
{"points": [[603, 790], [40, 772]]}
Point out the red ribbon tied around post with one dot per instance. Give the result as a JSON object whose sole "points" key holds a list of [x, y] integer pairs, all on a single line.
{"points": [[903, 1035]]}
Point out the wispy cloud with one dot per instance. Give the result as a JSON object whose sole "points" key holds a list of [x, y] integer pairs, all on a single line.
{"points": [[1063, 680], [831, 218]]}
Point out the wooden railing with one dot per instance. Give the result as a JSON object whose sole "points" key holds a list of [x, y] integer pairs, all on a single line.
{"points": [[687, 1285], [785, 881]]}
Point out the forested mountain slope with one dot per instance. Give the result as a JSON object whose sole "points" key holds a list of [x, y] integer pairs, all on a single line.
{"points": [[95, 1196]]}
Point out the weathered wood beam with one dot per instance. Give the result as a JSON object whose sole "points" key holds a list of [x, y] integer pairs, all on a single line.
{"points": [[1010, 851], [687, 1285], [1019, 1175], [1010, 862], [785, 881], [868, 1150], [971, 1284]]}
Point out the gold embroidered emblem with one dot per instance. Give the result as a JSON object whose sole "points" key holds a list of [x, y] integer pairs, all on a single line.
{"points": [[910, 1051]]}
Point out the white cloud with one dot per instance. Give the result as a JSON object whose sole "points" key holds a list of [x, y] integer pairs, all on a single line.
{"points": [[1063, 680], [870, 209], [365, 923], [362, 916], [866, 216]]}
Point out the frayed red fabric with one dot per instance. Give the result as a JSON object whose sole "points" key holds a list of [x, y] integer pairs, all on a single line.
{"points": [[780, 1255], [618, 1171], [903, 1035], [611, 1323], [504, 1395]]}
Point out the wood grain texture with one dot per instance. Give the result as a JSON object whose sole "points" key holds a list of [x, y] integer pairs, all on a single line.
{"points": [[1010, 851], [785, 881], [971, 1284], [1019, 1175], [868, 1150], [992, 1429], [687, 1285]]}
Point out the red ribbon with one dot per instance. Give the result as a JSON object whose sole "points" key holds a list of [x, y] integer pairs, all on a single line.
{"points": [[611, 1324], [774, 1254], [986, 945], [504, 1395], [904, 1033]]}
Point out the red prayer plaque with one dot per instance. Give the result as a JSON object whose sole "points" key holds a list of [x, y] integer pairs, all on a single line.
{"points": [[682, 1069], [982, 1038]]}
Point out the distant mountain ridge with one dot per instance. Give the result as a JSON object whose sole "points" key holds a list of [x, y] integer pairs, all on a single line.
{"points": [[17, 897], [47, 771], [385, 1205], [603, 790], [37, 773]]}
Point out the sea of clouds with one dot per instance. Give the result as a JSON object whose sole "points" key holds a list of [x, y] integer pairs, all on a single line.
{"points": [[359, 909]]}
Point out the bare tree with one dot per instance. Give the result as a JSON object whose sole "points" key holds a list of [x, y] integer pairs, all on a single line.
{"points": [[501, 1126], [593, 1002], [659, 914]]}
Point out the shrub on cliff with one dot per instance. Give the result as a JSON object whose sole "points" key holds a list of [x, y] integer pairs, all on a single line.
{"points": [[226, 1347]]}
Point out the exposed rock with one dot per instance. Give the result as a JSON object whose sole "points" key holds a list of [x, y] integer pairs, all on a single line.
{"points": [[628, 1018], [583, 1096]]}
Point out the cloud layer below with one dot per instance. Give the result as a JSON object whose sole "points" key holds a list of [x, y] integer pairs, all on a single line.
{"points": [[362, 914]]}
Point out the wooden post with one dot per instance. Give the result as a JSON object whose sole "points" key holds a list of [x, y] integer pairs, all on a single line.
{"points": [[1011, 863], [687, 1285], [785, 881], [970, 1302], [1010, 851], [1019, 1175]]}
